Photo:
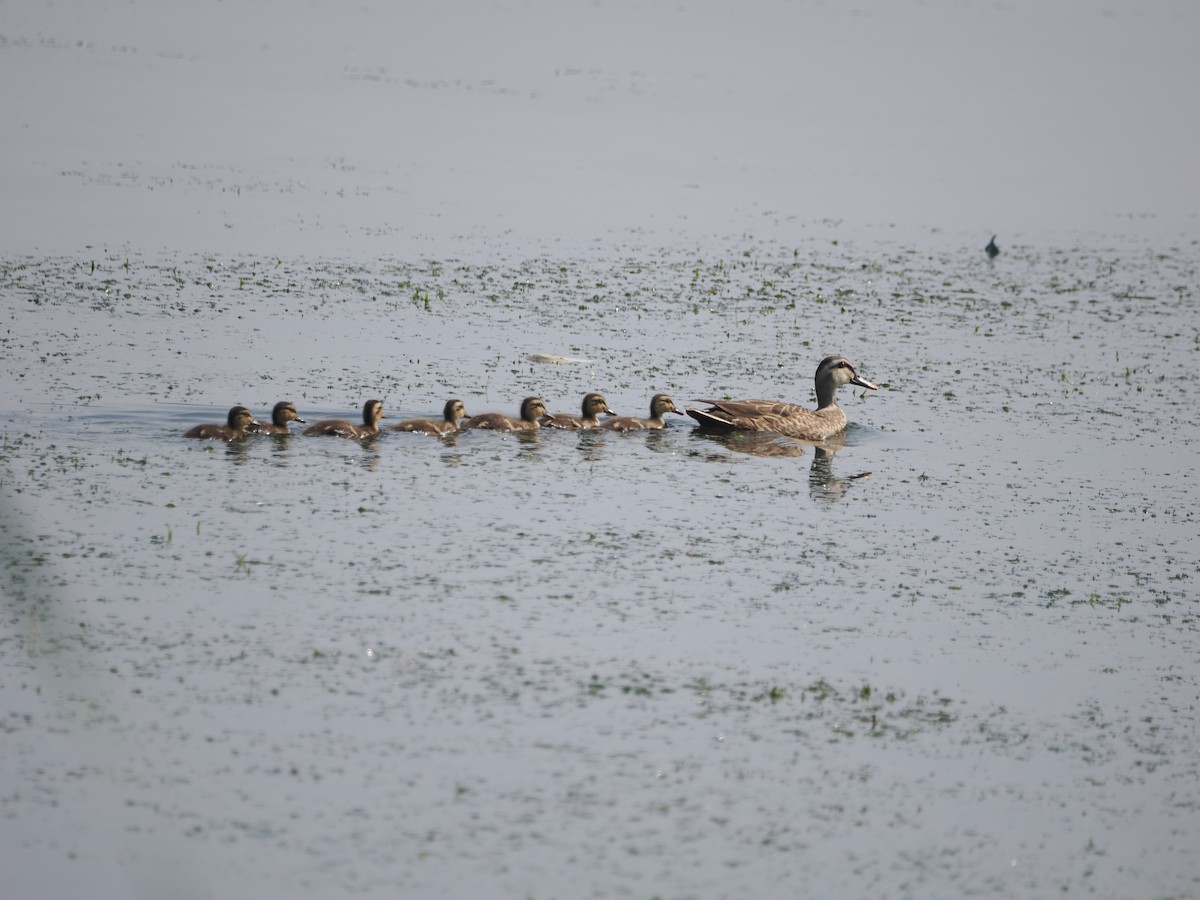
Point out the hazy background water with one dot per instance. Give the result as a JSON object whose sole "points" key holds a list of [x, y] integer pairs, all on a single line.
{"points": [[372, 129], [660, 665]]}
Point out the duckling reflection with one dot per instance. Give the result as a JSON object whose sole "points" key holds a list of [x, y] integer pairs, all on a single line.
{"points": [[452, 414], [592, 445], [284, 412], [592, 407], [372, 413], [532, 409], [238, 420]]}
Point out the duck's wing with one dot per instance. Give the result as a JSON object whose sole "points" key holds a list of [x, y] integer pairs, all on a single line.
{"points": [[748, 408]]}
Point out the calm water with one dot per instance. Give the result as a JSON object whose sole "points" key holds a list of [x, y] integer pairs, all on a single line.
{"points": [[560, 665]]}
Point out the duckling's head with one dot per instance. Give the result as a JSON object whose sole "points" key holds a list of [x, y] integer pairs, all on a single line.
{"points": [[372, 412], [284, 412], [837, 370], [454, 411], [240, 418], [532, 408], [660, 404], [594, 405]]}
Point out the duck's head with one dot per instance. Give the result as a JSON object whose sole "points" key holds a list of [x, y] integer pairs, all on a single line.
{"points": [[454, 411], [284, 412], [372, 412], [837, 370], [533, 408], [660, 404], [594, 405], [240, 418]]}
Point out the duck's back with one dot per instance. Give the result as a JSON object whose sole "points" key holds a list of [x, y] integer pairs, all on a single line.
{"points": [[211, 432], [338, 427]]}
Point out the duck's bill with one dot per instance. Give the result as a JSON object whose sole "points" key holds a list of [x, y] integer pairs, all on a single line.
{"points": [[301, 421], [862, 382]]}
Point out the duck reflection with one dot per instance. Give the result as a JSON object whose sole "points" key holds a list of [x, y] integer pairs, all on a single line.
{"points": [[822, 483]]}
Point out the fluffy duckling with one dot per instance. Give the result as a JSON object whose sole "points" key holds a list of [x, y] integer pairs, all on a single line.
{"points": [[532, 409], [238, 420], [448, 424], [788, 418], [593, 405], [660, 404], [284, 412], [372, 413]]}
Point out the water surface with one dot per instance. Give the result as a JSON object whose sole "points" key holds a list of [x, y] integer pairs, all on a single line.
{"points": [[951, 653]]}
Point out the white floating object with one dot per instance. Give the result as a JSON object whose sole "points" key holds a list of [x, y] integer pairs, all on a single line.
{"points": [[551, 358]]}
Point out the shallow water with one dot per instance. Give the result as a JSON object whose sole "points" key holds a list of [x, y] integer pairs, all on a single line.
{"points": [[577, 664]]}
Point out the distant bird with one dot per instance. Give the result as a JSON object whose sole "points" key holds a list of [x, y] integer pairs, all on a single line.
{"points": [[991, 249]]}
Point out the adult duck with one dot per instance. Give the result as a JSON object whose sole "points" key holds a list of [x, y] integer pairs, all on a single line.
{"points": [[788, 418], [372, 413]]}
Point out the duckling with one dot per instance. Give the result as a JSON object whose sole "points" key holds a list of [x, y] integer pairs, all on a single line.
{"points": [[592, 406], [239, 420], [659, 404], [532, 409], [372, 413], [448, 424], [284, 412], [787, 418]]}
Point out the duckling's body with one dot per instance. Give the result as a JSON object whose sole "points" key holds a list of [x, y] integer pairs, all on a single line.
{"points": [[284, 412], [532, 409], [592, 407], [372, 413], [451, 416], [660, 405], [788, 418], [238, 420]]}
